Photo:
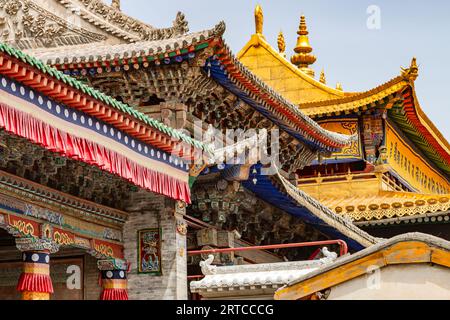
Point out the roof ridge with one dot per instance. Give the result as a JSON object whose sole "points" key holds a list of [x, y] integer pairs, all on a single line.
{"points": [[120, 24], [96, 52], [386, 243]]}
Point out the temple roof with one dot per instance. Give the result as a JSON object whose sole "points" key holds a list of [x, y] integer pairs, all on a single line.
{"points": [[224, 68], [398, 97], [354, 102], [300, 86], [279, 192], [114, 21], [32, 24], [410, 248], [269, 276], [94, 53], [317, 100], [391, 206]]}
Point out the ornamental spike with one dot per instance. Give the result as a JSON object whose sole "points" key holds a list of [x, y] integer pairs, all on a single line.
{"points": [[116, 4], [303, 57], [281, 44], [259, 19]]}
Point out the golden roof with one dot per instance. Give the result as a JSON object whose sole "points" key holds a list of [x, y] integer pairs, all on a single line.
{"points": [[388, 205]]}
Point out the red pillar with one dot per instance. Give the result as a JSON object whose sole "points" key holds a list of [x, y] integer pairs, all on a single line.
{"points": [[114, 279], [35, 282]]}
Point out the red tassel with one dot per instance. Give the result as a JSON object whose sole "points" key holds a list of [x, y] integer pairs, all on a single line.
{"points": [[26, 126], [114, 294], [31, 282]]}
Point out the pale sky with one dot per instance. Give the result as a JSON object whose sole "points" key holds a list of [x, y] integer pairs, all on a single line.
{"points": [[350, 52]]}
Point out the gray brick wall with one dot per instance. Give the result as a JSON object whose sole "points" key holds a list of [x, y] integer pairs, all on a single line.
{"points": [[92, 289], [153, 211]]}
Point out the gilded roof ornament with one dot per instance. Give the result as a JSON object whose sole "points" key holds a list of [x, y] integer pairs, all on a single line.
{"points": [[281, 44], [259, 19], [303, 57], [411, 73], [116, 4], [339, 86], [323, 79]]}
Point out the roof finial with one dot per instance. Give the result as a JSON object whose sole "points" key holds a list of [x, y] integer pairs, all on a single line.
{"points": [[339, 86], [116, 4], [323, 79], [303, 57], [281, 44], [259, 19], [411, 73]]}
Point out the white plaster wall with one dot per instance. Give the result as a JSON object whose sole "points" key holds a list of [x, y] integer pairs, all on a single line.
{"points": [[401, 282]]}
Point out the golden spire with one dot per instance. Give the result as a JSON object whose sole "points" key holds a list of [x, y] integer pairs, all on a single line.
{"points": [[411, 73], [323, 79], [281, 44], [259, 19], [303, 57], [339, 86], [116, 4]]}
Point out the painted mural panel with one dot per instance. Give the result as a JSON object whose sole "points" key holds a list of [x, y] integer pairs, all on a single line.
{"points": [[149, 251], [347, 127], [412, 167]]}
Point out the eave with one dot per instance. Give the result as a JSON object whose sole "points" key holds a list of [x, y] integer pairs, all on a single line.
{"points": [[389, 205], [279, 192], [279, 107], [359, 102], [411, 248], [421, 130], [53, 83]]}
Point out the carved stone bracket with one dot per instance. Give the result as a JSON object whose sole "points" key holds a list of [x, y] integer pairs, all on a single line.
{"points": [[33, 244]]}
